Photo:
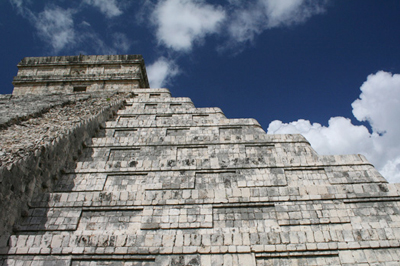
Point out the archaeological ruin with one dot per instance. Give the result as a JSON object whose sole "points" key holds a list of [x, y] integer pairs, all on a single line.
{"points": [[97, 168]]}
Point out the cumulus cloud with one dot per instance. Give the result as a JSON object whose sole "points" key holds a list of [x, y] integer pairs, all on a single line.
{"points": [[56, 26], [251, 19], [340, 137], [379, 102], [108, 7], [180, 23], [161, 72], [379, 105]]}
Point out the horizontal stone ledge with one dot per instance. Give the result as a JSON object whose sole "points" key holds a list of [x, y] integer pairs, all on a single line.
{"points": [[273, 250], [119, 207], [112, 208], [113, 257], [81, 60], [168, 102], [158, 98], [260, 251], [129, 148], [308, 222], [76, 76], [358, 182], [134, 172], [176, 143], [304, 168], [243, 205], [146, 172], [187, 111], [38, 229], [296, 254], [236, 122], [85, 257], [222, 171], [62, 79], [382, 198], [139, 203], [184, 168], [267, 251]]}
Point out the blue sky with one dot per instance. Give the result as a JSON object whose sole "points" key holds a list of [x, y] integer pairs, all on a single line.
{"points": [[328, 69]]}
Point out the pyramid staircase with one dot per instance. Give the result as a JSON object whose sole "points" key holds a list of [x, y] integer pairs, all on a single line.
{"points": [[165, 183]]}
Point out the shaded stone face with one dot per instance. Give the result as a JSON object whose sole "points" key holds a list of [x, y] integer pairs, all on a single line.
{"points": [[162, 182]]}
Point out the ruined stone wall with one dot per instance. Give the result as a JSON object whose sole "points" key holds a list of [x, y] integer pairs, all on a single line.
{"points": [[39, 136]]}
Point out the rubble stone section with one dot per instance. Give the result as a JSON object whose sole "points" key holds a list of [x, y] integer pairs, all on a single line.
{"points": [[166, 183], [39, 137]]}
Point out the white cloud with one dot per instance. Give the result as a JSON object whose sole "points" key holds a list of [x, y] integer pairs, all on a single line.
{"points": [[107, 7], [56, 26], [379, 102], [379, 105], [286, 12], [250, 19], [340, 137], [161, 72], [180, 23]]}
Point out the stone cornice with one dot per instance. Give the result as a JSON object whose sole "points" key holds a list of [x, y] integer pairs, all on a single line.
{"points": [[80, 61]]}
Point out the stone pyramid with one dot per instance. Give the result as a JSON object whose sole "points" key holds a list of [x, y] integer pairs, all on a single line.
{"points": [[165, 183]]}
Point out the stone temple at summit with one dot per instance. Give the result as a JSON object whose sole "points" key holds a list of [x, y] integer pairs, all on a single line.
{"points": [[96, 168]]}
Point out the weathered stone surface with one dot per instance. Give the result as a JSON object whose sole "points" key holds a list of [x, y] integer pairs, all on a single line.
{"points": [[91, 73], [15, 109], [165, 183], [37, 143]]}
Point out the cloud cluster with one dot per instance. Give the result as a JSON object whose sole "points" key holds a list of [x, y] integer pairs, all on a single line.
{"points": [[56, 26], [379, 105], [251, 18], [108, 7], [161, 71], [180, 23]]}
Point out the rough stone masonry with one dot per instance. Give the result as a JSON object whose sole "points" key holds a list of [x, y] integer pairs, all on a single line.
{"points": [[96, 168]]}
